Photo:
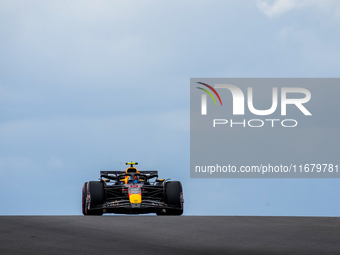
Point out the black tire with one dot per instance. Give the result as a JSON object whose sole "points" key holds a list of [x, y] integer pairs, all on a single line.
{"points": [[173, 197], [175, 211], [83, 198], [96, 191]]}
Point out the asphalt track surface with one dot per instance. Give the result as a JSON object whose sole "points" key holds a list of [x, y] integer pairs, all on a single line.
{"points": [[168, 235]]}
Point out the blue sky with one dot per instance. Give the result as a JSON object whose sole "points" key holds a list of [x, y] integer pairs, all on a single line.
{"points": [[89, 85]]}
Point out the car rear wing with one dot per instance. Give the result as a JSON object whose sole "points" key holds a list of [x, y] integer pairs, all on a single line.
{"points": [[113, 175]]}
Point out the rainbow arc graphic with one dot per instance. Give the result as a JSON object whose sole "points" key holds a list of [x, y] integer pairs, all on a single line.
{"points": [[209, 93]]}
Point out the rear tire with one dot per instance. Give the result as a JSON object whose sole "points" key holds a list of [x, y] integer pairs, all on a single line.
{"points": [[96, 191], [174, 197]]}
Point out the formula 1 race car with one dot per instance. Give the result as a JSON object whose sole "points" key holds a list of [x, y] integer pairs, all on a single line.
{"points": [[132, 192]]}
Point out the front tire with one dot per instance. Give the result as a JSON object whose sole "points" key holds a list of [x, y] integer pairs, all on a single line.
{"points": [[96, 192], [174, 197], [83, 198]]}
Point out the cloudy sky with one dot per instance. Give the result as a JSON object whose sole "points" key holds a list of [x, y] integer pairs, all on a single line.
{"points": [[89, 85]]}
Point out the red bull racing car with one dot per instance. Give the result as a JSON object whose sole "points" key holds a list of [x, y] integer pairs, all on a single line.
{"points": [[132, 192]]}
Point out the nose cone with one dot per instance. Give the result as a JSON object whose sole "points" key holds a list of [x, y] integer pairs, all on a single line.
{"points": [[135, 198]]}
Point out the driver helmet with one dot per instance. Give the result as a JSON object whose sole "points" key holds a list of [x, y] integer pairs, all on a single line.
{"points": [[129, 180]]}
